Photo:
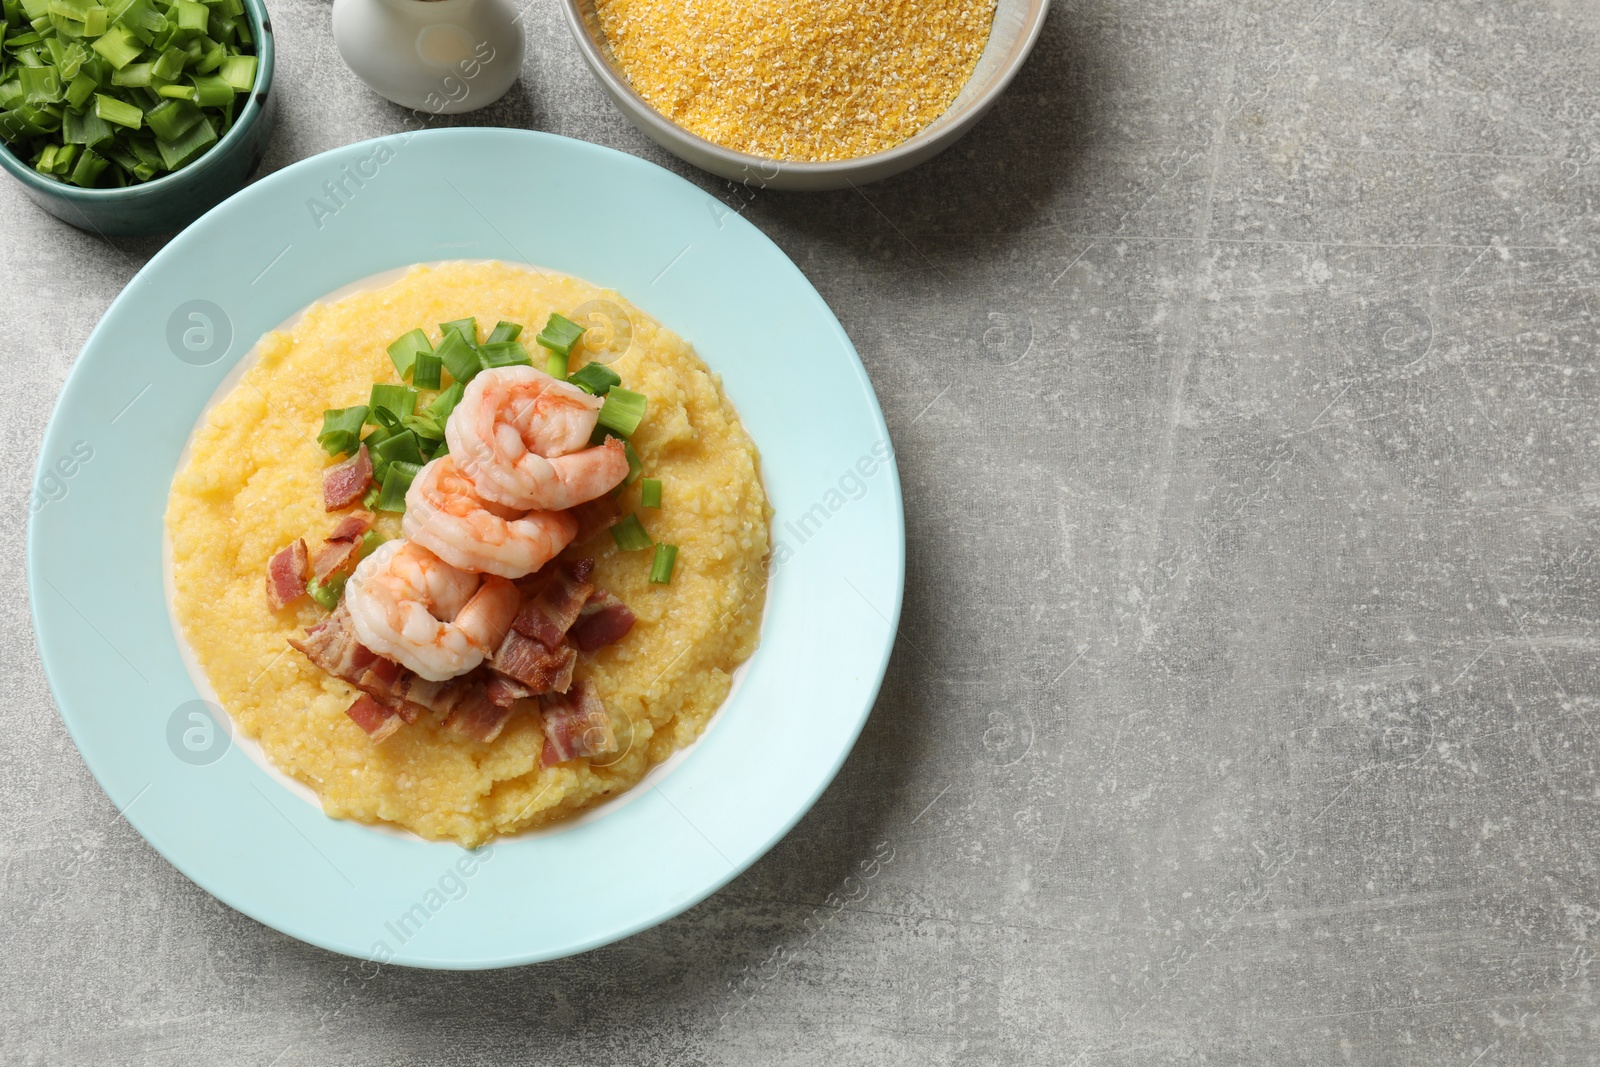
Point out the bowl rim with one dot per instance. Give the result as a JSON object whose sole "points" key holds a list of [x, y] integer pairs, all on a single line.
{"points": [[641, 109], [261, 28]]}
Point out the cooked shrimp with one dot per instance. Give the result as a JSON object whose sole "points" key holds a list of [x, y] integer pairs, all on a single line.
{"points": [[440, 621], [446, 516], [520, 436]]}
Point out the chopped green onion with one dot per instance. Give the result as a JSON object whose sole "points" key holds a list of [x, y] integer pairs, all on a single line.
{"points": [[370, 541], [629, 535], [387, 422], [467, 328], [113, 110], [71, 58], [635, 465], [623, 410], [133, 76], [170, 64], [142, 18], [595, 378], [398, 400], [555, 365], [369, 499], [328, 591], [210, 59], [126, 58], [493, 354], [176, 153], [395, 483], [28, 121], [40, 85], [426, 371], [459, 356], [211, 91], [87, 129], [446, 402], [117, 45], [171, 119], [560, 334], [146, 151], [401, 447], [190, 16], [504, 331], [87, 170], [65, 154], [238, 71], [403, 351], [341, 429], [661, 566], [650, 492], [424, 427], [80, 90]]}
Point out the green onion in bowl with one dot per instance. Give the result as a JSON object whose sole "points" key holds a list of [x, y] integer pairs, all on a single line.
{"points": [[115, 94]]}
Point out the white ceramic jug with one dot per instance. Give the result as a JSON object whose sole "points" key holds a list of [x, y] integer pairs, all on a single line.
{"points": [[438, 56]]}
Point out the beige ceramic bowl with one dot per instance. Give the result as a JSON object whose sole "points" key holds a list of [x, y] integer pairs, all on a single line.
{"points": [[1016, 28]]}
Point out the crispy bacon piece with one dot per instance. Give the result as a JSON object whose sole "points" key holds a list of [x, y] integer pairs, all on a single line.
{"points": [[352, 526], [286, 575], [344, 483], [595, 517], [504, 692], [342, 545], [575, 725], [332, 556], [332, 646], [378, 721], [538, 668], [478, 717], [552, 605], [604, 620]]}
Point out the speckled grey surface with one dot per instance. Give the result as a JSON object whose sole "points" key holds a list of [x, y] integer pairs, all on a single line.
{"points": [[1241, 366]]}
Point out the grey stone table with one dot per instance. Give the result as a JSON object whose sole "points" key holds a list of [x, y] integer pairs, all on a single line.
{"points": [[1241, 366]]}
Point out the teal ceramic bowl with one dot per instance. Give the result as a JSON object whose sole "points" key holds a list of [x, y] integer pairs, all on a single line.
{"points": [[174, 200], [173, 337]]}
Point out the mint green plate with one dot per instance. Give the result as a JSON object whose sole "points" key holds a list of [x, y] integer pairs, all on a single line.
{"points": [[165, 345]]}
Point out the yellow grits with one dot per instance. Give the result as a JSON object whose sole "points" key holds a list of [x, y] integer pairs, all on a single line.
{"points": [[253, 483]]}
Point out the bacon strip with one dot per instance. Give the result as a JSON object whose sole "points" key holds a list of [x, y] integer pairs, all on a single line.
{"points": [[604, 620], [595, 517], [352, 526], [548, 612], [332, 556], [538, 668], [332, 646], [286, 575], [575, 725], [378, 721], [479, 718], [504, 692], [342, 545], [344, 483]]}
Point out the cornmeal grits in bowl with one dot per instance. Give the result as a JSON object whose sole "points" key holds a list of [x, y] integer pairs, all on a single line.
{"points": [[292, 481]]}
